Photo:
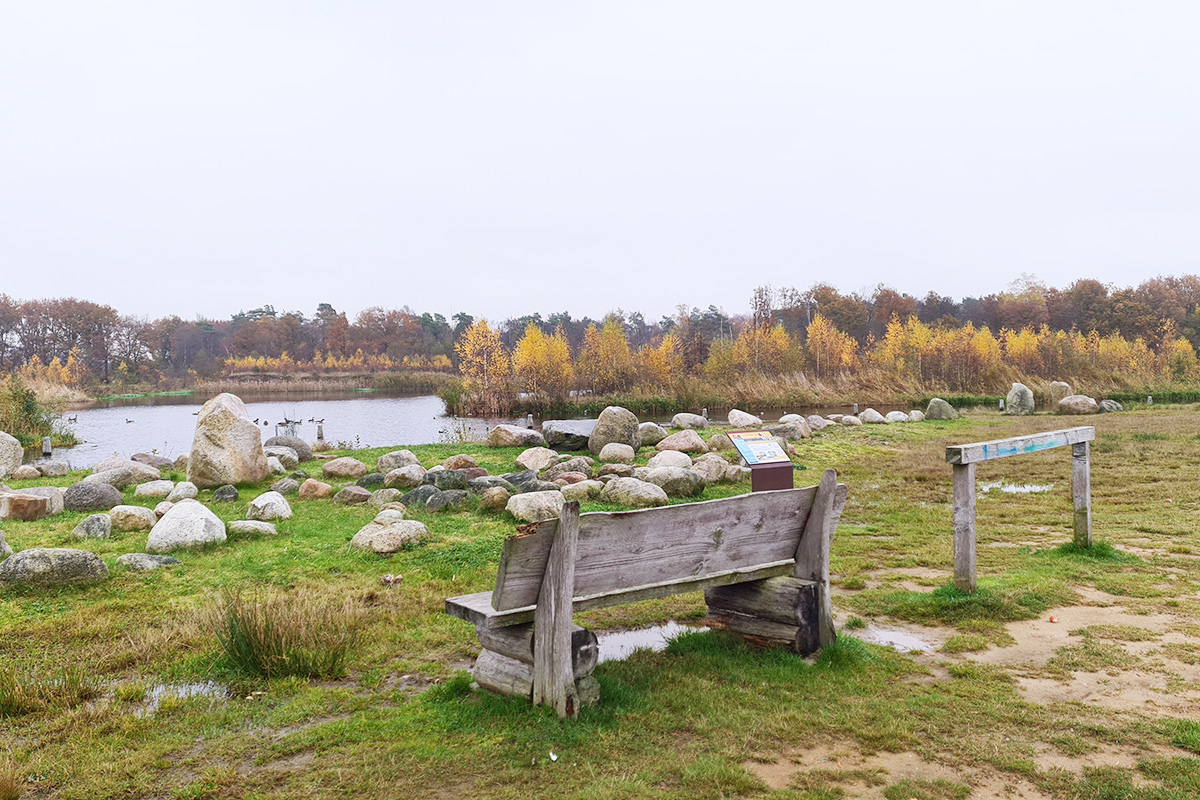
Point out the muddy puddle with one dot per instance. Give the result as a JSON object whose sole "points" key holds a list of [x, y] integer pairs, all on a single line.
{"points": [[899, 640], [619, 645], [159, 692]]}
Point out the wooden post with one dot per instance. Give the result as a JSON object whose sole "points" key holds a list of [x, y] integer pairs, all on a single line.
{"points": [[964, 527], [1081, 491], [553, 672], [812, 554]]}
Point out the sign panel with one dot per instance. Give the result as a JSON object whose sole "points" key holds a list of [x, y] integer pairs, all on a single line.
{"points": [[758, 447]]}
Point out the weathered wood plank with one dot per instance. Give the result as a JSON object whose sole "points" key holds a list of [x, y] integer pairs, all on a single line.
{"points": [[753, 610], [553, 673], [812, 553], [1081, 492], [1017, 445], [655, 546], [516, 641], [964, 527], [477, 608], [512, 678]]}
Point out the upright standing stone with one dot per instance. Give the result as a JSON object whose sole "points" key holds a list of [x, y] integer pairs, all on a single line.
{"points": [[227, 447], [615, 424], [940, 409], [1059, 390], [1019, 402], [11, 454]]}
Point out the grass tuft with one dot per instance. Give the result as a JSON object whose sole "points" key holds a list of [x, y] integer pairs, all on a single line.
{"points": [[1099, 551], [949, 605], [12, 781], [277, 636], [29, 692]]}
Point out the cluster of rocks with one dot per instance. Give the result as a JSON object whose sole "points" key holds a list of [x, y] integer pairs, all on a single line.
{"points": [[1020, 403]]}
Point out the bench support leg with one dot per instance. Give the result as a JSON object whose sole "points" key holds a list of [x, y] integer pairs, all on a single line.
{"points": [[553, 673], [510, 677], [775, 612], [812, 554]]}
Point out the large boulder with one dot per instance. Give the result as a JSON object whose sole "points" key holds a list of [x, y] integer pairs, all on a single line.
{"points": [[514, 436], [897, 416], [152, 460], [850, 421], [11, 454], [577, 464], [91, 497], [184, 490], [189, 523], [685, 441], [405, 477], [386, 536], [313, 489], [743, 419], [1077, 404], [352, 496], [535, 506], [677, 481], [1110, 407], [940, 409], [251, 527], [615, 424], [617, 453], [1019, 402], [715, 469], [582, 492], [537, 458], [96, 526], [53, 467], [227, 448], [54, 498], [288, 457], [344, 467], [52, 566], [302, 448], [670, 458], [446, 479], [269, 506], [872, 417], [568, 435], [144, 562], [686, 421], [815, 422], [651, 433], [132, 518], [792, 431], [1059, 390], [23, 507], [916, 416], [154, 489], [129, 473], [26, 472], [633, 493], [395, 460]]}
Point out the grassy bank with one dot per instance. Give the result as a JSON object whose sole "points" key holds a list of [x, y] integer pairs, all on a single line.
{"points": [[1004, 703]]}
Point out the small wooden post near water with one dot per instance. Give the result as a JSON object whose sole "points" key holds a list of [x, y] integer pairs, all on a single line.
{"points": [[964, 457]]}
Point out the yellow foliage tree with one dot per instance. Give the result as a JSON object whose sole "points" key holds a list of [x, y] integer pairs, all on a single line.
{"points": [[829, 351], [605, 361], [542, 364], [485, 368]]}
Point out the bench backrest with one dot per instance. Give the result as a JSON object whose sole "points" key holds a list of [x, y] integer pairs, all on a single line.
{"points": [[633, 555]]}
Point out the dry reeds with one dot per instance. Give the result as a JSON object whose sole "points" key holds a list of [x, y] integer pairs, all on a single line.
{"points": [[26, 692]]}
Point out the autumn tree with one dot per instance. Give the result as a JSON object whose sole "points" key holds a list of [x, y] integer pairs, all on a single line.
{"points": [[542, 364], [485, 368], [605, 361]]}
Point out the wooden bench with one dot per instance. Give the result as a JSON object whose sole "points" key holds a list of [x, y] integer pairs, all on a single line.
{"points": [[762, 560]]}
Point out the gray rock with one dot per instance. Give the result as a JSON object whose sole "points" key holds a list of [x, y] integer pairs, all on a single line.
{"points": [[940, 409], [301, 448], [789, 431], [251, 527], [615, 424], [26, 472], [313, 489], [537, 486], [269, 506], [162, 508], [154, 489], [419, 495], [5, 548], [686, 421], [513, 436], [568, 435], [225, 494], [11, 454], [651, 433], [51, 567], [372, 480], [677, 481], [227, 447], [91, 497], [1110, 407], [1077, 404], [482, 484], [97, 526], [152, 460], [715, 469], [452, 499], [130, 473], [897, 416], [685, 441], [381, 497], [741, 419], [872, 417], [633, 493], [344, 467], [184, 490], [390, 538], [181, 463], [536, 506], [620, 470], [132, 518], [55, 502], [1019, 402], [286, 486], [353, 495], [460, 461], [144, 562], [388, 515], [537, 458], [287, 456], [53, 468], [1059, 390], [617, 453], [189, 523], [446, 479], [405, 477], [276, 466], [395, 460], [916, 416], [720, 442], [582, 492], [815, 422], [670, 458], [850, 421], [494, 499], [577, 464], [517, 478]]}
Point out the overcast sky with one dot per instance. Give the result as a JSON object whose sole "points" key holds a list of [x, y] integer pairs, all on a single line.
{"points": [[507, 158]]}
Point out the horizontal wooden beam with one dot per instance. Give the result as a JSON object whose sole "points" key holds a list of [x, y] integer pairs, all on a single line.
{"points": [[1017, 445]]}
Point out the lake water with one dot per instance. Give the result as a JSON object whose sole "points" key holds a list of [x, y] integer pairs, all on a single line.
{"points": [[165, 425]]}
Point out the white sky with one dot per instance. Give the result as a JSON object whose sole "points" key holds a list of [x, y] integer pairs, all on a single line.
{"points": [[507, 158]]}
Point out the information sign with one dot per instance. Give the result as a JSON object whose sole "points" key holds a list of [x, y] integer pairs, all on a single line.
{"points": [[758, 447]]}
